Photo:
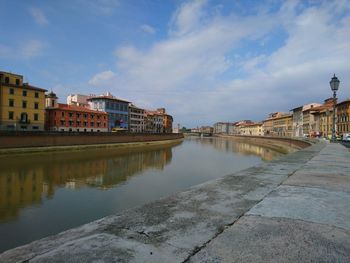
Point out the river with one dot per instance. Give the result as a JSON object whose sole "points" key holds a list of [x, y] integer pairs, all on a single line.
{"points": [[44, 194]]}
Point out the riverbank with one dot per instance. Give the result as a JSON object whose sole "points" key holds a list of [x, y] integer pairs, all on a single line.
{"points": [[39, 143], [280, 144], [294, 209]]}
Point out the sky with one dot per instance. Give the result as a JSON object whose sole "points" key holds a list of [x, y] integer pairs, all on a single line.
{"points": [[203, 60]]}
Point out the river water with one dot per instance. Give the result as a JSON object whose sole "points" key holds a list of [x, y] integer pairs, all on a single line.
{"points": [[44, 194]]}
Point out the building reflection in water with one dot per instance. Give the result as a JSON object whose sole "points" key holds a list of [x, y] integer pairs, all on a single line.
{"points": [[242, 148], [26, 180]]}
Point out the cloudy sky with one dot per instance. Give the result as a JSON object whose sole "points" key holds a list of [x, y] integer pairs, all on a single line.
{"points": [[203, 60]]}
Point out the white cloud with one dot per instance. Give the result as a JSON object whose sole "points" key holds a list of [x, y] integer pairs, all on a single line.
{"points": [[103, 79], [27, 49], [148, 29], [39, 16], [194, 73], [188, 17]]}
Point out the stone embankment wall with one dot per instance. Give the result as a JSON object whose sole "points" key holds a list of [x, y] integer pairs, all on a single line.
{"points": [[20, 140], [281, 144]]}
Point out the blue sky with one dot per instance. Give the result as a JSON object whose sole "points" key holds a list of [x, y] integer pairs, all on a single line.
{"points": [[204, 60]]}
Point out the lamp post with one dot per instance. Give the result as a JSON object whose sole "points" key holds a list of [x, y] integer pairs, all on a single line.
{"points": [[334, 83]]}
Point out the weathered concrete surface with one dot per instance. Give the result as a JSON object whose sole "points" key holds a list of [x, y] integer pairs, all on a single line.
{"points": [[259, 214], [260, 239]]}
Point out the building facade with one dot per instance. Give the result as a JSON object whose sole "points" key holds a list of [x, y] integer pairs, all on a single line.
{"points": [[117, 109], [283, 126], [78, 100], [136, 119], [252, 129], [297, 122], [309, 123], [267, 124], [22, 106], [70, 118], [154, 122], [343, 121], [323, 119]]}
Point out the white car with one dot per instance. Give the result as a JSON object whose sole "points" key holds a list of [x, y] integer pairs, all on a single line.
{"points": [[346, 137]]}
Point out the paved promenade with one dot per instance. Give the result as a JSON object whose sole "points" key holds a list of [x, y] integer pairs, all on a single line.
{"points": [[295, 209]]}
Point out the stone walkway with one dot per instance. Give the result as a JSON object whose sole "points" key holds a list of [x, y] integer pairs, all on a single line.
{"points": [[295, 209]]}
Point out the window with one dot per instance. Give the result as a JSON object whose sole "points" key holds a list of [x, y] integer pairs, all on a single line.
{"points": [[78, 115], [92, 124], [17, 82], [24, 117], [85, 116], [10, 115], [36, 94], [7, 80], [91, 116], [24, 93], [70, 114], [63, 123], [35, 128], [11, 103], [36, 116], [36, 105], [62, 114], [52, 103], [24, 104], [11, 91]]}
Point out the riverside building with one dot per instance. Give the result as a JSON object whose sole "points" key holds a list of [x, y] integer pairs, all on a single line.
{"points": [[71, 118], [117, 109], [136, 119], [343, 120], [21, 105]]}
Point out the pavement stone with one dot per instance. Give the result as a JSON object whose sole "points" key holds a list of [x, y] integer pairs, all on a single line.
{"points": [[305, 203], [261, 239]]}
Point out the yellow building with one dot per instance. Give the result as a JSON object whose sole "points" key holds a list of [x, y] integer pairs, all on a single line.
{"points": [[253, 129], [22, 106], [283, 126]]}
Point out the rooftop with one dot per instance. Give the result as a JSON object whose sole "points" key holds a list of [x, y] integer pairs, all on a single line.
{"points": [[67, 107]]}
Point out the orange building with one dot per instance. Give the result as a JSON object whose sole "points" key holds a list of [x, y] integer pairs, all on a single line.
{"points": [[343, 113], [63, 117]]}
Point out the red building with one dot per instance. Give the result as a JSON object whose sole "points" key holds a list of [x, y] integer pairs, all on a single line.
{"points": [[63, 117]]}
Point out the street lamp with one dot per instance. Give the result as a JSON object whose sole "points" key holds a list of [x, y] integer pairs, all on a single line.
{"points": [[334, 87]]}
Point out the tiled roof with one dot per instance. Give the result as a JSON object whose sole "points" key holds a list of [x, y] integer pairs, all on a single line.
{"points": [[67, 107], [344, 102]]}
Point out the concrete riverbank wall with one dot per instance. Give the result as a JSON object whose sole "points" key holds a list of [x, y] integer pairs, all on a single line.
{"points": [[25, 140], [294, 209], [281, 144]]}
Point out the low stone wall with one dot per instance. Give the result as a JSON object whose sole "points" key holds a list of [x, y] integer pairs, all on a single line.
{"points": [[281, 144], [22, 140]]}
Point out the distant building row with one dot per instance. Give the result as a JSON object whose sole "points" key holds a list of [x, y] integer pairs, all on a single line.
{"points": [[310, 120], [27, 108]]}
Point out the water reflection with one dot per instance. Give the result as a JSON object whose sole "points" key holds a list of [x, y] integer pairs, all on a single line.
{"points": [[242, 148], [25, 180], [44, 194]]}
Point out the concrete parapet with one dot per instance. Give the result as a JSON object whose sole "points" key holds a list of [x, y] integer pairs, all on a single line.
{"points": [[44, 139], [294, 209]]}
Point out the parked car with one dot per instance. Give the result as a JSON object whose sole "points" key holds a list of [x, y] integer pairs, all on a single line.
{"points": [[346, 137]]}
